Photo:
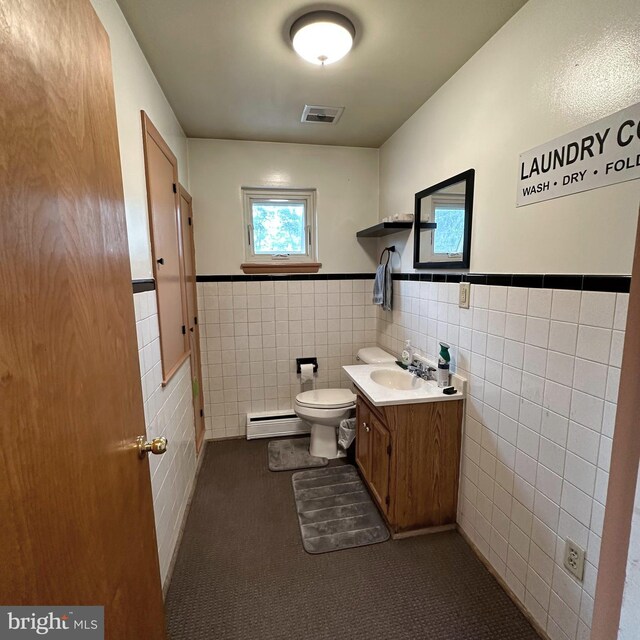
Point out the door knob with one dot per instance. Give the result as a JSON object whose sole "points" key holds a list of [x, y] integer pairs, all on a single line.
{"points": [[157, 446], [367, 428]]}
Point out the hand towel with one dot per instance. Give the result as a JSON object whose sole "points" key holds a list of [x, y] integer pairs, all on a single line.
{"points": [[382, 291]]}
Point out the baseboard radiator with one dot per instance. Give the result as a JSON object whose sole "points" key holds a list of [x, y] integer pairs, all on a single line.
{"points": [[271, 424]]}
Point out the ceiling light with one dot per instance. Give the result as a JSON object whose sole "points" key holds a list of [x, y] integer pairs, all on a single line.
{"points": [[322, 37]]}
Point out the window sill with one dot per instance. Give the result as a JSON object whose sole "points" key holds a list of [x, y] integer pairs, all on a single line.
{"points": [[281, 267]]}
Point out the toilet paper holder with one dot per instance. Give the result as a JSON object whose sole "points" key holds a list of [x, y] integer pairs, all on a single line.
{"points": [[313, 361]]}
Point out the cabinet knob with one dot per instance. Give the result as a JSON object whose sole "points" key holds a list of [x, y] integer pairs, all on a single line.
{"points": [[367, 428]]}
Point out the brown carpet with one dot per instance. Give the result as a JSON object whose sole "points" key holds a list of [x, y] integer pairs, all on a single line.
{"points": [[242, 574]]}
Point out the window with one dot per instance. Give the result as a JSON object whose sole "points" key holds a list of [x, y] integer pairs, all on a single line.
{"points": [[279, 225], [448, 236], [445, 243]]}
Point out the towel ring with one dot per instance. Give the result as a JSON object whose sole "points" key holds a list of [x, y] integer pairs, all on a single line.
{"points": [[388, 251]]}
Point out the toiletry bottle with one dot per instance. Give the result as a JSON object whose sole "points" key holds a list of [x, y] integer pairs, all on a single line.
{"points": [[443, 365], [407, 354]]}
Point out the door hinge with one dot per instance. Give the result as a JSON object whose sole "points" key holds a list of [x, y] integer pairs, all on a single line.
{"points": [[388, 449], [175, 189], [184, 330], [195, 319], [189, 219], [201, 413]]}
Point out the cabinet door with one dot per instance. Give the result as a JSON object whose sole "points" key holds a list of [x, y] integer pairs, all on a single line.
{"points": [[380, 454], [161, 169], [363, 438]]}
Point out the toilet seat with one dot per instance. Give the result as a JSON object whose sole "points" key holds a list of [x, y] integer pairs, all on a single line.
{"points": [[326, 399]]}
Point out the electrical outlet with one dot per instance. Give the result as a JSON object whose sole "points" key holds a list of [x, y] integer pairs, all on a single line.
{"points": [[465, 294], [574, 558]]}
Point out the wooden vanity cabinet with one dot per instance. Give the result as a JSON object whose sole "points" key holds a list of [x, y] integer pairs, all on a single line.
{"points": [[409, 457]]}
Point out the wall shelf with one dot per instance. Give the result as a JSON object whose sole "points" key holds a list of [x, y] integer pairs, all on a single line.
{"points": [[387, 228], [384, 229]]}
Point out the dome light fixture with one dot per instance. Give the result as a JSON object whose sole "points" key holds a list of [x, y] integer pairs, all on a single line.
{"points": [[322, 37]]}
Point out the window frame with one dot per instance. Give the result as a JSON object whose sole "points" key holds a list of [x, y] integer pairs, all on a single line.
{"points": [[255, 194]]}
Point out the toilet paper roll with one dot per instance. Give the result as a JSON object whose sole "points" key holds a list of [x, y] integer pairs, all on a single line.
{"points": [[306, 372]]}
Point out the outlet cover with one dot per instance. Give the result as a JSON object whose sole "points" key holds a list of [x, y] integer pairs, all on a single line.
{"points": [[574, 558], [465, 294]]}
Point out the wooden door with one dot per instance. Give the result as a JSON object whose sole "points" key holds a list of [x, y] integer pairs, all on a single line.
{"points": [[77, 515], [363, 446], [380, 456], [161, 169], [189, 257]]}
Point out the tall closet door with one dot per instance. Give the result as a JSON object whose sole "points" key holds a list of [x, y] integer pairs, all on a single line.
{"points": [[162, 194], [188, 249]]}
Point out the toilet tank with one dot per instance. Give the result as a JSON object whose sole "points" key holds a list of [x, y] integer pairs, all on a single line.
{"points": [[374, 355]]}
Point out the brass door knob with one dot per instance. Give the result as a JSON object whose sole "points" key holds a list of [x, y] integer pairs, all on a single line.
{"points": [[157, 446]]}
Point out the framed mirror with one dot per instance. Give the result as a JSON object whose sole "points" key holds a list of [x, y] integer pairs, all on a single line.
{"points": [[442, 225]]}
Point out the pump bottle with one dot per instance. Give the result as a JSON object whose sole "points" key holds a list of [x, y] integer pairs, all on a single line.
{"points": [[443, 365]]}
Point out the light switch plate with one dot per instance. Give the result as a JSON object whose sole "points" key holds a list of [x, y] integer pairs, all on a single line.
{"points": [[465, 294]]}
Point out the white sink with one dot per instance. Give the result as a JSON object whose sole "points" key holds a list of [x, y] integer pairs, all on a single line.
{"points": [[385, 385], [398, 380]]}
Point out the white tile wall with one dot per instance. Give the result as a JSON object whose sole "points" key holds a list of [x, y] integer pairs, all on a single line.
{"points": [[168, 412], [252, 332], [543, 370]]}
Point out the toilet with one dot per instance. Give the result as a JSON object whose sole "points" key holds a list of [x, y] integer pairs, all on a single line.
{"points": [[323, 409]]}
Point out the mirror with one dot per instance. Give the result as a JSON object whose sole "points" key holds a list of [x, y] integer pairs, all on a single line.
{"points": [[442, 226]]}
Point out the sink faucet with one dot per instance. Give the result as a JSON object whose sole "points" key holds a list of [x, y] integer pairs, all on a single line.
{"points": [[420, 370]]}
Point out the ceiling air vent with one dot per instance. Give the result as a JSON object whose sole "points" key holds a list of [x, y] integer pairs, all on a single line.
{"points": [[321, 115]]}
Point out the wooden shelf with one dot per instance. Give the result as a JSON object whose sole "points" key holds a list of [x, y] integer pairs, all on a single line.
{"points": [[387, 228], [384, 229]]}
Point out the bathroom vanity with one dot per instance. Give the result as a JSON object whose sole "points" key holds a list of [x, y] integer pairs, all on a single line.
{"points": [[408, 445]]}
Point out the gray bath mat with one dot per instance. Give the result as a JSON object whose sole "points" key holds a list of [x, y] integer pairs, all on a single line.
{"points": [[285, 455], [335, 510]]}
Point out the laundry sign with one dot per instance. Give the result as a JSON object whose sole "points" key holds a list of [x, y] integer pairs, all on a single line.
{"points": [[602, 153]]}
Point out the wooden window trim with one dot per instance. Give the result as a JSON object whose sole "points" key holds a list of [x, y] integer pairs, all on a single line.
{"points": [[285, 267]]}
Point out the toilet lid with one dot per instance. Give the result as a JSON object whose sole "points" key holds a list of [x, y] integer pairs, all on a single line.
{"points": [[326, 398]]}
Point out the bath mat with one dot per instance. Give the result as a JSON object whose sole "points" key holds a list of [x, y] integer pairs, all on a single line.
{"points": [[335, 510], [285, 455]]}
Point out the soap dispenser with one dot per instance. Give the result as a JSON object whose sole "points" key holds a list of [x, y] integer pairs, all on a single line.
{"points": [[443, 365], [407, 354]]}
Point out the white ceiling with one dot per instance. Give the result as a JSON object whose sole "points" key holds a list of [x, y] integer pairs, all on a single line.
{"points": [[228, 69]]}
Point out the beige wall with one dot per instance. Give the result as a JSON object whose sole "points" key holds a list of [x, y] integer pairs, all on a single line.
{"points": [[346, 180], [136, 88], [554, 67]]}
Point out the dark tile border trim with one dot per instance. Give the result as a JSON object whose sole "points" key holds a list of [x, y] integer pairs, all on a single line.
{"points": [[143, 285], [574, 282], [287, 276], [618, 284]]}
